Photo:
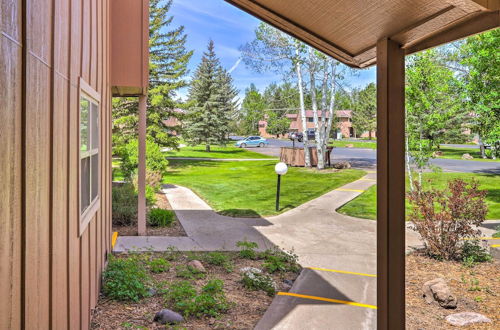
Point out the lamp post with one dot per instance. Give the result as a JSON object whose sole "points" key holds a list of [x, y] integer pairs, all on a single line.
{"points": [[280, 169]]}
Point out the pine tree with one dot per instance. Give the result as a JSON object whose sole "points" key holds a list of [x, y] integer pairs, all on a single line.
{"points": [[168, 60], [212, 95]]}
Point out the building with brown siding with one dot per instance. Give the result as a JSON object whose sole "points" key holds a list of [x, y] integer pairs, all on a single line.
{"points": [[60, 63]]}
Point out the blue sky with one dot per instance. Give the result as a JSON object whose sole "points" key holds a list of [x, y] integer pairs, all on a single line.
{"points": [[230, 28]]}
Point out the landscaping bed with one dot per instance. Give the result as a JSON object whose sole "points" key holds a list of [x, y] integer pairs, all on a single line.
{"points": [[477, 289], [240, 307], [175, 229]]}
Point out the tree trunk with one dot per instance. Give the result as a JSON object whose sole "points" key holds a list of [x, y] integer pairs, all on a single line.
{"points": [[369, 135], [314, 101], [307, 156], [481, 148], [207, 148]]}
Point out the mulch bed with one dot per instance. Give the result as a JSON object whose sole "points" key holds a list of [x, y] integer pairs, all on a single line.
{"points": [[174, 230], [246, 307], [480, 297]]}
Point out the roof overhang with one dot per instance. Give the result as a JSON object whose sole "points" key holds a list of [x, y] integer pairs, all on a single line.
{"points": [[349, 30]]}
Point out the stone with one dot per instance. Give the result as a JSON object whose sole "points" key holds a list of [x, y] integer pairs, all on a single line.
{"points": [[437, 153], [467, 157], [437, 290], [167, 316], [152, 291], [350, 145], [341, 165], [197, 265], [466, 318]]}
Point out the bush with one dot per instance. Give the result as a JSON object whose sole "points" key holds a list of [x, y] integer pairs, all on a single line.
{"points": [[210, 302], [155, 159], [124, 205], [254, 279], [444, 218], [280, 261], [160, 217], [189, 272], [159, 265], [125, 279], [473, 252], [247, 249], [219, 259]]}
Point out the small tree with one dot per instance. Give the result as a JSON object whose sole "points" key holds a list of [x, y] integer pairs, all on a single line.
{"points": [[277, 124], [365, 109], [445, 217]]}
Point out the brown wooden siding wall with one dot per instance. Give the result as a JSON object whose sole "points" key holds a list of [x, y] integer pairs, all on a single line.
{"points": [[49, 274]]}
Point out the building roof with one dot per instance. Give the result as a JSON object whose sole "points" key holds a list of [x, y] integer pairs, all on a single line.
{"points": [[349, 30]]}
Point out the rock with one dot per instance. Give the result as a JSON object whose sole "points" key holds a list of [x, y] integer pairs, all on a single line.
{"points": [[467, 157], [437, 153], [196, 264], [466, 318], [437, 290], [350, 145], [251, 270], [152, 291], [341, 165], [289, 282], [167, 316]]}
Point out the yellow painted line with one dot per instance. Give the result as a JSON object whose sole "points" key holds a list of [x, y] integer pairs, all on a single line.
{"points": [[352, 303], [371, 171], [342, 271], [496, 245], [345, 189], [113, 239]]}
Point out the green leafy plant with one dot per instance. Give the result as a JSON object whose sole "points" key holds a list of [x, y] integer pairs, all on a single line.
{"points": [[159, 265], [160, 217], [247, 249], [124, 205], [497, 234], [474, 285], [125, 279], [188, 272], [254, 279], [473, 252], [155, 159], [277, 260], [210, 302], [219, 259]]}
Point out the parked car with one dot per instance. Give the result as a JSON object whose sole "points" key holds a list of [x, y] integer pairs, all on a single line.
{"points": [[252, 141], [299, 136]]}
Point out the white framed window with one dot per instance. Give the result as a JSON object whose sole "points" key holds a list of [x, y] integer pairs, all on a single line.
{"points": [[89, 156]]}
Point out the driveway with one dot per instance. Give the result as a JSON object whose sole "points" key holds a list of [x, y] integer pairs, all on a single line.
{"points": [[367, 158]]}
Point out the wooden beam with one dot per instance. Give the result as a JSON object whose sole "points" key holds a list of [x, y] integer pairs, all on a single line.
{"points": [[141, 171], [390, 186]]}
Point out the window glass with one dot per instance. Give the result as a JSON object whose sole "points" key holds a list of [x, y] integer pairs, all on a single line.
{"points": [[94, 126], [84, 124], [85, 184], [95, 176]]}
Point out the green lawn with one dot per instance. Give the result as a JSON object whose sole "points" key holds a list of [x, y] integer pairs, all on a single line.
{"points": [[249, 188], [364, 205], [357, 144], [456, 153], [216, 152]]}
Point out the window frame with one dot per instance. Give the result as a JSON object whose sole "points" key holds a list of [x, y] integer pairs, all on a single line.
{"points": [[84, 218]]}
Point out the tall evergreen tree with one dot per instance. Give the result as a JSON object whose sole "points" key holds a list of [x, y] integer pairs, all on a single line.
{"points": [[364, 116], [212, 95], [168, 60], [252, 110]]}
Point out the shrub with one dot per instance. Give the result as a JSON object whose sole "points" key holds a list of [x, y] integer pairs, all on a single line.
{"points": [[210, 302], [159, 265], [247, 249], [254, 279], [445, 217], [280, 261], [155, 159], [160, 217], [188, 272], [125, 279], [124, 205], [473, 252], [219, 259]]}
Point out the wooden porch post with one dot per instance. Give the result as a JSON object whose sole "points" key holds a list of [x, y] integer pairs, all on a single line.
{"points": [[390, 186], [141, 171]]}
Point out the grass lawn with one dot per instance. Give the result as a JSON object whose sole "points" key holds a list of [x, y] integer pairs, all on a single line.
{"points": [[249, 188], [216, 152], [360, 144], [456, 153], [364, 206]]}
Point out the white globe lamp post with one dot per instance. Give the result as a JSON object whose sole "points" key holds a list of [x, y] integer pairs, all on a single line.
{"points": [[280, 169]]}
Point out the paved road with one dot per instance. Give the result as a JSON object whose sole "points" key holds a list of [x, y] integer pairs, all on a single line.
{"points": [[368, 158]]}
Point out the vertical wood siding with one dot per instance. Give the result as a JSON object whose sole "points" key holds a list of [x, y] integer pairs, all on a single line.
{"points": [[50, 276]]}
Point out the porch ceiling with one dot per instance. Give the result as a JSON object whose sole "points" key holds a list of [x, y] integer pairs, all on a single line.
{"points": [[348, 30]]}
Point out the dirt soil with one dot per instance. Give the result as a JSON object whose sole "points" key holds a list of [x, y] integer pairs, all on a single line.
{"points": [[174, 230], [246, 307], [477, 290]]}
